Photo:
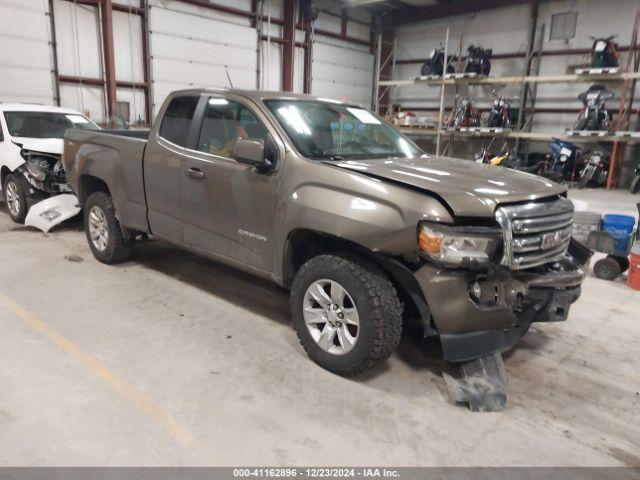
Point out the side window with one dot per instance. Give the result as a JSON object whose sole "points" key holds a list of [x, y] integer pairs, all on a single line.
{"points": [[177, 120], [224, 122]]}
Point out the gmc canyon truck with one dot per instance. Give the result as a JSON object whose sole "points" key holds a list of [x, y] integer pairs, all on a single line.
{"points": [[329, 201]]}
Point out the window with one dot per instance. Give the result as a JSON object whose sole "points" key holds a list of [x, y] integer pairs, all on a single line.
{"points": [[563, 26], [334, 131], [226, 121], [177, 120], [123, 110], [33, 124]]}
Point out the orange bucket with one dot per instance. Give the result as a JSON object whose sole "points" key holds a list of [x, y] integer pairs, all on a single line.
{"points": [[633, 279]]}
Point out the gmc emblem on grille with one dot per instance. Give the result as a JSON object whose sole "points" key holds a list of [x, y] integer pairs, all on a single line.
{"points": [[551, 240]]}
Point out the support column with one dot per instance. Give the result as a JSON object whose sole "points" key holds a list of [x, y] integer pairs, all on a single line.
{"points": [[289, 45], [109, 56]]}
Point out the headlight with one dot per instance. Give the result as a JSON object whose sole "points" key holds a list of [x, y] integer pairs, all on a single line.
{"points": [[38, 168], [458, 245]]}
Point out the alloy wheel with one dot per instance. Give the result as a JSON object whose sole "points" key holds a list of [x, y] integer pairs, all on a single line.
{"points": [[98, 228], [13, 198], [331, 316]]}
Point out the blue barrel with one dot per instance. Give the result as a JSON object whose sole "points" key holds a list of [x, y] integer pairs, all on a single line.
{"points": [[621, 227]]}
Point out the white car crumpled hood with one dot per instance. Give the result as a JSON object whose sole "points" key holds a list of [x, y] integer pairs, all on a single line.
{"points": [[42, 145], [48, 213]]}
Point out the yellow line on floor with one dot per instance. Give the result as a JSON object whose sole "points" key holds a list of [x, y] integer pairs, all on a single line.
{"points": [[137, 398]]}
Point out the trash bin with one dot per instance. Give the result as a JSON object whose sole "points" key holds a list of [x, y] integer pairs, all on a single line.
{"points": [[620, 227]]}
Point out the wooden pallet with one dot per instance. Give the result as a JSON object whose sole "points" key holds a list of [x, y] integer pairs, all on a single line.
{"points": [[626, 134], [588, 133], [462, 76], [479, 130], [598, 71], [424, 78]]}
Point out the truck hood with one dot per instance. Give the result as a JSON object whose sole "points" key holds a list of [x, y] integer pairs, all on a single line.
{"points": [[470, 189], [42, 145]]}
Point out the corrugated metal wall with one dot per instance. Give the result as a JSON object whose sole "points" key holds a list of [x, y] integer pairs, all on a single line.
{"points": [[213, 46], [25, 64], [189, 46]]}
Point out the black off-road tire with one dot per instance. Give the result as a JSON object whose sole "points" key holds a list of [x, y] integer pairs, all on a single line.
{"points": [[607, 269], [21, 188], [379, 311], [119, 248]]}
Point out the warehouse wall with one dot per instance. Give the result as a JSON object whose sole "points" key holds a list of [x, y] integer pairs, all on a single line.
{"points": [[25, 66], [340, 69], [79, 55], [213, 44], [505, 30]]}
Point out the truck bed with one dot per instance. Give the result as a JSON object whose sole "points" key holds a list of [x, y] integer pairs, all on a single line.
{"points": [[114, 157]]}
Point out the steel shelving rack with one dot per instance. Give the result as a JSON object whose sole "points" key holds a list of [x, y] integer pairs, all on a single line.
{"points": [[619, 138]]}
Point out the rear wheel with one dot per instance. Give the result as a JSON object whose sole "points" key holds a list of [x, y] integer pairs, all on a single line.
{"points": [[346, 313], [103, 230], [15, 198], [607, 269]]}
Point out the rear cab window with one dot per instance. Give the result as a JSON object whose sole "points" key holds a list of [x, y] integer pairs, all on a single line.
{"points": [[176, 123]]}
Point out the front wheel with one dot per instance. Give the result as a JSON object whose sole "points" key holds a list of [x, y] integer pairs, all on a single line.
{"points": [[585, 176], [103, 230], [15, 198], [346, 313], [635, 185]]}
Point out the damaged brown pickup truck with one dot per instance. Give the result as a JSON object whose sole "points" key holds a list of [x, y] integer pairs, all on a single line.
{"points": [[326, 199]]}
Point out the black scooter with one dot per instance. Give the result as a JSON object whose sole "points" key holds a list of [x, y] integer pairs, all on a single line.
{"points": [[594, 115], [478, 60], [435, 63]]}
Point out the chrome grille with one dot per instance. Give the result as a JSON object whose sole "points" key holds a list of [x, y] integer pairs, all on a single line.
{"points": [[535, 233]]}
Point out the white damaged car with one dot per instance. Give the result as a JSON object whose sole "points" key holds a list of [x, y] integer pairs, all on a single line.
{"points": [[33, 181]]}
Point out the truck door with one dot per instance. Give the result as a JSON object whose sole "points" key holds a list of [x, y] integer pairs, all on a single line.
{"points": [[163, 167], [228, 208]]}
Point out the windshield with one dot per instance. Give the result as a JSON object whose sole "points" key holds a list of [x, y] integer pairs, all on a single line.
{"points": [[45, 124], [332, 131]]}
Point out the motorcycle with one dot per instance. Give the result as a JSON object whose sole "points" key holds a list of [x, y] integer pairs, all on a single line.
{"points": [[501, 114], [635, 183], [478, 60], [465, 115], [595, 171], [564, 158], [604, 52], [594, 115], [435, 63]]}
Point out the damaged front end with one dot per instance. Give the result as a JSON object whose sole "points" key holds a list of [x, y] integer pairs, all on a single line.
{"points": [[485, 286], [50, 198], [44, 172]]}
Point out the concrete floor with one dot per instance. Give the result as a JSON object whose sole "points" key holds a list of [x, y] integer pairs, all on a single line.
{"points": [[172, 359]]}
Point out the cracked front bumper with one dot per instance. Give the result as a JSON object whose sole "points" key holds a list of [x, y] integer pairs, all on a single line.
{"points": [[471, 325]]}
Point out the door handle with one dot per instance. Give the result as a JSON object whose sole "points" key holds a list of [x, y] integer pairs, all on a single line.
{"points": [[195, 173]]}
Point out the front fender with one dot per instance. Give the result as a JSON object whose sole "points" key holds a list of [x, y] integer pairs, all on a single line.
{"points": [[12, 158], [377, 216]]}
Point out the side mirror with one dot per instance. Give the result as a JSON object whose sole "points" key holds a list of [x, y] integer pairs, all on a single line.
{"points": [[250, 151]]}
